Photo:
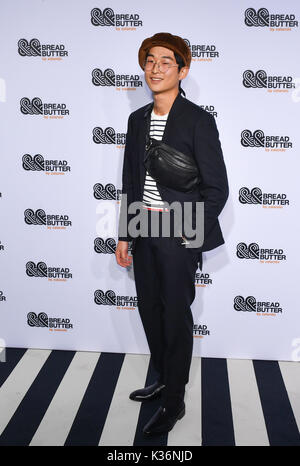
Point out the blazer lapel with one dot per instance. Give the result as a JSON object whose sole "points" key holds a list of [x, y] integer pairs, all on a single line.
{"points": [[143, 127]]}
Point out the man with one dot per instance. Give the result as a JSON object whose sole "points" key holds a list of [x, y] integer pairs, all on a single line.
{"points": [[164, 268]]}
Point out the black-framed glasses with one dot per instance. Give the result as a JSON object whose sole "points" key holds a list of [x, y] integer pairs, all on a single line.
{"points": [[163, 65]]}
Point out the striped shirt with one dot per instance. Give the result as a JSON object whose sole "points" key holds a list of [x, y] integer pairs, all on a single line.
{"points": [[151, 197]]}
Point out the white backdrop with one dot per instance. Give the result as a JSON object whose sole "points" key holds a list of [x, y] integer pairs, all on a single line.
{"points": [[60, 285]]}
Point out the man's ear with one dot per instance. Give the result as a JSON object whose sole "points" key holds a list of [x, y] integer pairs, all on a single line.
{"points": [[183, 72]]}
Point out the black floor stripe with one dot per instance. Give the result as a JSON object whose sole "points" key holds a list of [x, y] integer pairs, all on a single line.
{"points": [[91, 416], [25, 421], [147, 410], [12, 357], [217, 422], [279, 417]]}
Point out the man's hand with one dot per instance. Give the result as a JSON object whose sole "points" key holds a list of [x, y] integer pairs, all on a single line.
{"points": [[122, 254]]}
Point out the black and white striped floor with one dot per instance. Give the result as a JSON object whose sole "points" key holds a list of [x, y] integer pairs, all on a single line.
{"points": [[57, 398]]}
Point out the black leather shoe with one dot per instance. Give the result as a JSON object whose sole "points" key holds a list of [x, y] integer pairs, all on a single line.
{"points": [[148, 393], [163, 420]]}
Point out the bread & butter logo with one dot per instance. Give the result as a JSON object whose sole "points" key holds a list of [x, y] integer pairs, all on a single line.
{"points": [[37, 107], [2, 296], [250, 304], [256, 196], [34, 48], [210, 109], [40, 270], [258, 138], [52, 221], [109, 136], [253, 251], [260, 79], [38, 163], [202, 279], [107, 246], [200, 331], [108, 78], [121, 21], [107, 192], [109, 298], [52, 323], [203, 52], [262, 18]]}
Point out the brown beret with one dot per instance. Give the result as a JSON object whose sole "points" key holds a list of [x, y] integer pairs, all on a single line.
{"points": [[164, 39]]}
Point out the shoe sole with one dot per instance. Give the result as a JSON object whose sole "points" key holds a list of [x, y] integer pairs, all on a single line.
{"points": [[180, 416]]}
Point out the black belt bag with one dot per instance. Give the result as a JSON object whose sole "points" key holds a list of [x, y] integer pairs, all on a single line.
{"points": [[169, 167]]}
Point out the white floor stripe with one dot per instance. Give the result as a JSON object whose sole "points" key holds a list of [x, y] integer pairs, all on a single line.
{"points": [[2, 353], [290, 371], [248, 419], [122, 418], [19, 381], [187, 431], [59, 417]]}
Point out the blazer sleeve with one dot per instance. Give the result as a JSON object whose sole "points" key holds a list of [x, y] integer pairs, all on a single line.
{"points": [[127, 185], [209, 157]]}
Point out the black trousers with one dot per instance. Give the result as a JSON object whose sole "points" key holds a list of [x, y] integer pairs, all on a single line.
{"points": [[164, 272]]}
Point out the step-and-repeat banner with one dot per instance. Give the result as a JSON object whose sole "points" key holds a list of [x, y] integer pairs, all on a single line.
{"points": [[69, 79]]}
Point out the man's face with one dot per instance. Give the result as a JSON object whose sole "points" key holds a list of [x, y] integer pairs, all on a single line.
{"points": [[160, 82]]}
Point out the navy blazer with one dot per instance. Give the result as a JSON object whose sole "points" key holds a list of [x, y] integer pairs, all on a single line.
{"points": [[193, 131]]}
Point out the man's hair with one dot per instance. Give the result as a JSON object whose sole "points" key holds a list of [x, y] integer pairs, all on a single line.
{"points": [[180, 63]]}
